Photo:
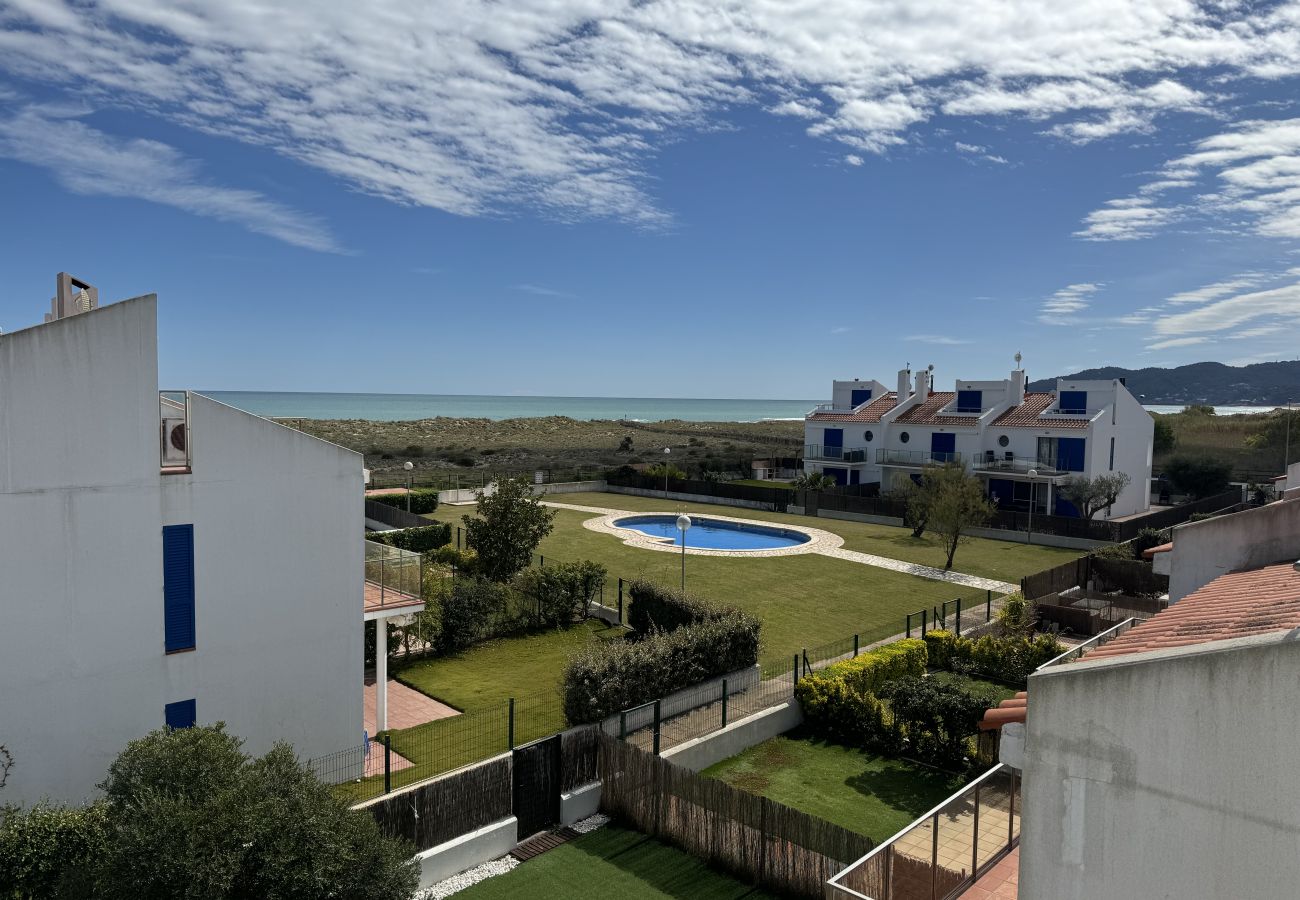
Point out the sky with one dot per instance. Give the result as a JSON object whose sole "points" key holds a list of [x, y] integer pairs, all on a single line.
{"points": [[737, 198]]}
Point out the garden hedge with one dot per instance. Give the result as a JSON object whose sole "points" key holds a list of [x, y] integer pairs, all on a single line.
{"points": [[423, 500], [655, 606], [840, 702], [417, 540], [607, 677], [1007, 659], [562, 593]]}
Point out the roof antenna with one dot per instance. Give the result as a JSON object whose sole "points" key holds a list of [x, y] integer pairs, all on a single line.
{"points": [[1017, 359]]}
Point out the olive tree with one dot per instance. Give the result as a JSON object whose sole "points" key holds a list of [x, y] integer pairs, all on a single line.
{"points": [[1092, 495], [951, 502]]}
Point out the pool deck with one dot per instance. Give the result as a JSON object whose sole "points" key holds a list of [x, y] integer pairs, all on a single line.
{"points": [[824, 542]]}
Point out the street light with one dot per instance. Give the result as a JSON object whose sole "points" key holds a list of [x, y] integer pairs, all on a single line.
{"points": [[683, 523], [408, 466], [1286, 452], [1033, 473], [667, 450]]}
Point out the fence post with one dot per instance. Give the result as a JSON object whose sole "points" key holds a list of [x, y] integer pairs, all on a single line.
{"points": [[622, 725], [909, 625], [958, 628], [988, 606], [388, 764], [510, 732], [656, 744], [855, 645], [620, 601], [541, 561], [795, 669], [923, 623], [805, 660], [724, 703]]}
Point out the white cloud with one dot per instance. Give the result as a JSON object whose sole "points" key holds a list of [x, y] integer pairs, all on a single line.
{"points": [[840, 329], [981, 152], [542, 291], [941, 339], [854, 160], [1216, 290], [1280, 303], [1177, 342], [1261, 331], [88, 161], [1062, 307], [478, 107], [1123, 220]]}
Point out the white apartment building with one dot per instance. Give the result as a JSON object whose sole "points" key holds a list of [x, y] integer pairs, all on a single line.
{"points": [[1023, 445], [164, 559]]}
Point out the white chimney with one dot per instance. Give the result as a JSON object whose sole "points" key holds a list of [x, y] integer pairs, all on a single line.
{"points": [[904, 384], [1017, 394], [923, 382]]}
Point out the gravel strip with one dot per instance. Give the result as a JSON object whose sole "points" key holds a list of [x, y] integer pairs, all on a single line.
{"points": [[591, 823], [467, 878]]}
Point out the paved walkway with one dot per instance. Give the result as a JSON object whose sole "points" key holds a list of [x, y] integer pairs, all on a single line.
{"points": [[824, 548], [1002, 882], [406, 707]]}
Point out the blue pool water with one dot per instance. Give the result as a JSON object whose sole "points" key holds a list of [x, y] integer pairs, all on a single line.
{"points": [[711, 534]]}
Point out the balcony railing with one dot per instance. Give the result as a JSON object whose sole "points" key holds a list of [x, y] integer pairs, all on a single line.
{"points": [[992, 461], [1072, 413], [174, 430], [837, 454], [832, 407], [1091, 643], [916, 458], [393, 576], [944, 851]]}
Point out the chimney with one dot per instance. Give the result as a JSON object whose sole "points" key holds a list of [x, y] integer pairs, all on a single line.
{"points": [[1017, 393], [904, 384], [65, 303]]}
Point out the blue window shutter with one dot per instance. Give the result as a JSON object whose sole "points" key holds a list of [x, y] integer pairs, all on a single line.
{"points": [[178, 587], [1074, 401], [181, 714], [833, 437], [1069, 454], [1112, 454], [970, 401], [860, 396], [943, 445]]}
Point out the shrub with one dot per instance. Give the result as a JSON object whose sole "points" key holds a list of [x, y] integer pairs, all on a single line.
{"points": [[605, 678], [655, 606], [841, 704], [423, 500], [471, 612], [1198, 477], [49, 851], [463, 561], [417, 540], [1146, 539], [867, 672], [511, 522], [562, 593], [938, 719], [1016, 616], [1009, 659]]}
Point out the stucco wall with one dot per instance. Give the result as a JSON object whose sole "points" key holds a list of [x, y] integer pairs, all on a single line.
{"points": [[1164, 775], [1255, 537]]}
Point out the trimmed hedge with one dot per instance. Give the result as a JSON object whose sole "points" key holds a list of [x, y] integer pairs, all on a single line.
{"points": [[562, 593], [423, 500], [417, 540], [655, 606], [605, 678], [840, 702], [1008, 659]]}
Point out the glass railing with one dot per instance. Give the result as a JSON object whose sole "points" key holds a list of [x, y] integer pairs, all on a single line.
{"points": [[916, 457], [1080, 413], [393, 575], [174, 430], [993, 461], [944, 851], [838, 454]]}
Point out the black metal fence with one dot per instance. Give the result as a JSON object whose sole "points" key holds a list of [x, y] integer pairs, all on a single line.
{"points": [[782, 849], [775, 499], [959, 612], [393, 516], [474, 479], [1121, 576]]}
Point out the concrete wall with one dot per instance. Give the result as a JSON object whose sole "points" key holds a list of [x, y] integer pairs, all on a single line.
{"points": [[737, 737], [697, 695], [469, 495], [1164, 774], [689, 498], [467, 851], [1255, 537]]}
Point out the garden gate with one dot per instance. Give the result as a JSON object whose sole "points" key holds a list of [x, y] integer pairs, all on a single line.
{"points": [[537, 786]]}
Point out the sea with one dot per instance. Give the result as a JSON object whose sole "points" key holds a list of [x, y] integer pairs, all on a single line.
{"points": [[397, 407]]}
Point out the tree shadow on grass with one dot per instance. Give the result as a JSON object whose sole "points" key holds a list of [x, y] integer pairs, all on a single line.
{"points": [[663, 868], [909, 788]]}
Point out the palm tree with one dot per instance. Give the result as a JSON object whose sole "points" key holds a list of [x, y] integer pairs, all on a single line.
{"points": [[814, 481]]}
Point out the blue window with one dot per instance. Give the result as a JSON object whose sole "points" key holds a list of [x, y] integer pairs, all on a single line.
{"points": [[833, 437], [970, 401], [181, 714], [943, 446], [1074, 401], [1112, 454], [841, 476], [178, 587], [1069, 454], [860, 396]]}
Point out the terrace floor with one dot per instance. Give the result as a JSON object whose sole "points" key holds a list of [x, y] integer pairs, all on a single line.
{"points": [[406, 707], [376, 598], [1000, 882]]}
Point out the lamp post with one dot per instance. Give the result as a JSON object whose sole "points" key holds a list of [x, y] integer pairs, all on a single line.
{"points": [[408, 466], [1033, 473], [667, 451], [683, 523], [1286, 452]]}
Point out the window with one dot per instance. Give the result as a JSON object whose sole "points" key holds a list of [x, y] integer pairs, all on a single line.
{"points": [[1112, 454], [181, 714], [178, 588], [868, 435], [1073, 401], [859, 397], [904, 437], [1003, 441], [970, 401]]}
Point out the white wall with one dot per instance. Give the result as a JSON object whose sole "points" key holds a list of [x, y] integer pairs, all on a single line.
{"points": [[1209, 548], [1164, 774]]}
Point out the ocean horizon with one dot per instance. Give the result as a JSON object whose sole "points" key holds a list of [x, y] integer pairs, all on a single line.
{"points": [[404, 407]]}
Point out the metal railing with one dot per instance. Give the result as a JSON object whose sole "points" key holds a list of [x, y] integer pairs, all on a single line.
{"points": [[174, 429], [991, 461], [916, 457], [1071, 413], [397, 574], [836, 407], [944, 851], [1092, 643], [840, 454]]}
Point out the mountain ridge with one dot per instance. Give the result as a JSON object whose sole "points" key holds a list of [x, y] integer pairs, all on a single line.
{"points": [[1257, 384]]}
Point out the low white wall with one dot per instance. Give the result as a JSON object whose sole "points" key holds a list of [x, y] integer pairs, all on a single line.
{"points": [[1046, 540], [604, 613], [1212, 547], [688, 498], [569, 487], [858, 517], [467, 851], [580, 803], [687, 699], [737, 737]]}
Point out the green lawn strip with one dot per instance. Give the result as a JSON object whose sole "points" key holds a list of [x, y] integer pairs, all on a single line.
{"points": [[614, 862], [869, 794], [994, 692], [757, 482]]}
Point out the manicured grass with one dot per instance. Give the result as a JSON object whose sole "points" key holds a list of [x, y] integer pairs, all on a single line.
{"points": [[758, 482], [869, 794], [992, 691], [613, 862], [507, 667]]}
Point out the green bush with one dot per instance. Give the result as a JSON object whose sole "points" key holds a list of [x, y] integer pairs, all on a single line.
{"points": [[1007, 659], [417, 540], [937, 719], [423, 500], [841, 704], [655, 606], [463, 561], [605, 678], [1146, 539], [562, 593], [867, 672], [471, 612], [49, 851], [1198, 476]]}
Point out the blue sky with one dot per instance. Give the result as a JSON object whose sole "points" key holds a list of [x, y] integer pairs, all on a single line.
{"points": [[672, 198]]}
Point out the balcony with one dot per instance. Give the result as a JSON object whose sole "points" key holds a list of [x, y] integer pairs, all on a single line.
{"points": [[174, 432], [916, 459], [831, 453], [1075, 413], [394, 581], [992, 461]]}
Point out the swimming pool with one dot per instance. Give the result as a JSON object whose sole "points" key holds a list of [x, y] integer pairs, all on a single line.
{"points": [[714, 534]]}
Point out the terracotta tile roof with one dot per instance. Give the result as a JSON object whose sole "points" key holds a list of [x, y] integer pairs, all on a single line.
{"points": [[927, 413], [1013, 710], [1239, 604], [1026, 415], [1150, 552], [870, 413]]}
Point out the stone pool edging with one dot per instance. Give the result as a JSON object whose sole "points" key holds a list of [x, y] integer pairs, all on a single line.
{"points": [[819, 541]]}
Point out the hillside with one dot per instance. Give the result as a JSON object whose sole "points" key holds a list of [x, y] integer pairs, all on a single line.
{"points": [[1260, 384]]}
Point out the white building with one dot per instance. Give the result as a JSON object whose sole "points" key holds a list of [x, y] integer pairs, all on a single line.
{"points": [[164, 559], [1023, 445]]}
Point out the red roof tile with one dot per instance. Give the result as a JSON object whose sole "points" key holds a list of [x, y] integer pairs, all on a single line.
{"points": [[1006, 712], [1026, 415], [870, 413], [927, 413]]}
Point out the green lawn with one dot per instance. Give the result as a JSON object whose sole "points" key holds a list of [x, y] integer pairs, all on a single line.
{"points": [[869, 794], [613, 862]]}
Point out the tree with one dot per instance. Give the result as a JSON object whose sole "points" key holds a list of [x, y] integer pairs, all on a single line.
{"points": [[6, 763], [813, 481], [469, 612], [1163, 439], [1092, 495], [1198, 476], [511, 522], [625, 445], [665, 469], [916, 499], [953, 503], [1017, 616], [938, 718]]}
